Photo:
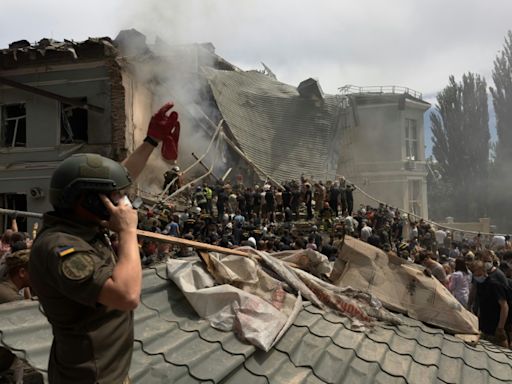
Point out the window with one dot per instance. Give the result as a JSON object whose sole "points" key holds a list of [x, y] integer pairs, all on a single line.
{"points": [[17, 202], [13, 125], [73, 128], [411, 139], [415, 197]]}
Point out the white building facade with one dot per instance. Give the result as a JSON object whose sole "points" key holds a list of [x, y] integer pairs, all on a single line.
{"points": [[383, 148]]}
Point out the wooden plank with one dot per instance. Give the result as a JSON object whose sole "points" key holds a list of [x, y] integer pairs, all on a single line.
{"points": [[190, 243]]}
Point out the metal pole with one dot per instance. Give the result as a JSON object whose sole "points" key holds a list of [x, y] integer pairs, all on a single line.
{"points": [[204, 166], [21, 213]]}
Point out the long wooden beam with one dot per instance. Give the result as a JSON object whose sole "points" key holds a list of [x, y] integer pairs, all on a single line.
{"points": [[190, 243]]}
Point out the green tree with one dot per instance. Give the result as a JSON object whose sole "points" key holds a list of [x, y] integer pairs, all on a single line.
{"points": [[502, 100], [501, 182], [460, 129]]}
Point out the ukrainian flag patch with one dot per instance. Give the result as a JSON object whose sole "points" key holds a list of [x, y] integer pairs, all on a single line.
{"points": [[64, 251]]}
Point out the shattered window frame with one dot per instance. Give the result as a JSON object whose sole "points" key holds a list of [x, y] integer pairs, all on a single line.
{"points": [[13, 126], [13, 201], [415, 200], [70, 132], [411, 139]]}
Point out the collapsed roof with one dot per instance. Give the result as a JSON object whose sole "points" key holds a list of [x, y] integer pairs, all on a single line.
{"points": [[286, 133]]}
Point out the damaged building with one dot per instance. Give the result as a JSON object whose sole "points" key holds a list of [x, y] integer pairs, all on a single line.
{"points": [[372, 136], [60, 98], [56, 99]]}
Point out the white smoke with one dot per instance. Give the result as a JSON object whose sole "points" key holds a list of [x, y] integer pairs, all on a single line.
{"points": [[164, 72]]}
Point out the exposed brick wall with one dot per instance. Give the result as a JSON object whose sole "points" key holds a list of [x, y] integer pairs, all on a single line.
{"points": [[118, 113]]}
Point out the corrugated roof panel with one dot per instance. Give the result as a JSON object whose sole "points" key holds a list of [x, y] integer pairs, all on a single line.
{"points": [[277, 368], [283, 133], [174, 345], [244, 376], [420, 354], [153, 369], [23, 328]]}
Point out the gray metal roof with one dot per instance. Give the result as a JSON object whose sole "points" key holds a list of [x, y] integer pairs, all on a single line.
{"points": [[283, 133], [174, 346]]}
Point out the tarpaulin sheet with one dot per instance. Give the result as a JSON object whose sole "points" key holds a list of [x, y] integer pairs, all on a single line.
{"points": [[258, 296], [255, 306]]}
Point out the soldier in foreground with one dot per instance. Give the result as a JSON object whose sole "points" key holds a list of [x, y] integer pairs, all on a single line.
{"points": [[87, 291]]}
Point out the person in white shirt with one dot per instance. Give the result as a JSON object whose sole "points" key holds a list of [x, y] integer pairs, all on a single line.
{"points": [[366, 232], [440, 235], [460, 282], [414, 232], [498, 242]]}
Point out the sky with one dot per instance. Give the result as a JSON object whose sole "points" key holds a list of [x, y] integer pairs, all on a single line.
{"points": [[416, 44]]}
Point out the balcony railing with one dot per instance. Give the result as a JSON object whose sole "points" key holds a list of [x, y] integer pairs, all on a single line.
{"points": [[379, 90]]}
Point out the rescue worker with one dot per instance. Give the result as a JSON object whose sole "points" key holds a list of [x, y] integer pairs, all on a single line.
{"points": [[87, 292], [200, 198], [16, 266], [172, 177], [208, 193]]}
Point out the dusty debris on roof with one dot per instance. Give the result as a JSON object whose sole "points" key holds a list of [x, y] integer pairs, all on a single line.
{"points": [[259, 295], [21, 53], [401, 286]]}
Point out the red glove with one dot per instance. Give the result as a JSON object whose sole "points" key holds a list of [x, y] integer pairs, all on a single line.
{"points": [[161, 124], [170, 143]]}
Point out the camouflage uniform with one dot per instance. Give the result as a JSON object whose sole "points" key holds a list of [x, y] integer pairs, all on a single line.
{"points": [[69, 265]]}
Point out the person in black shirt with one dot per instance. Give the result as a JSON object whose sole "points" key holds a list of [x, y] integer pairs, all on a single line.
{"points": [[287, 197], [493, 308], [334, 194], [349, 195], [249, 202], [222, 199], [309, 202], [295, 202], [343, 198], [257, 201], [270, 204], [242, 204]]}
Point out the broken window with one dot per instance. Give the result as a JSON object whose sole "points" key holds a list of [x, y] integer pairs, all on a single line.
{"points": [[411, 139], [13, 125], [415, 197], [16, 202], [73, 127]]}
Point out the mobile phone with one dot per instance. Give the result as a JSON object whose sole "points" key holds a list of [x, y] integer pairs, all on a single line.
{"points": [[95, 205]]}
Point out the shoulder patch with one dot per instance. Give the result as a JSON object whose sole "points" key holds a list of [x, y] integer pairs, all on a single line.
{"points": [[78, 266], [64, 251]]}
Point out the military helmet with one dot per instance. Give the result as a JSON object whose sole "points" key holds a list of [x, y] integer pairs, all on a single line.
{"points": [[85, 172]]}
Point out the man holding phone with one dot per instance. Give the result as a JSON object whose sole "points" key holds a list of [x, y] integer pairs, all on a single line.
{"points": [[87, 291]]}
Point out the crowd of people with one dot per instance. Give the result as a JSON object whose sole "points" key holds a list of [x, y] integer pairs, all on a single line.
{"points": [[301, 214], [315, 215], [84, 265]]}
